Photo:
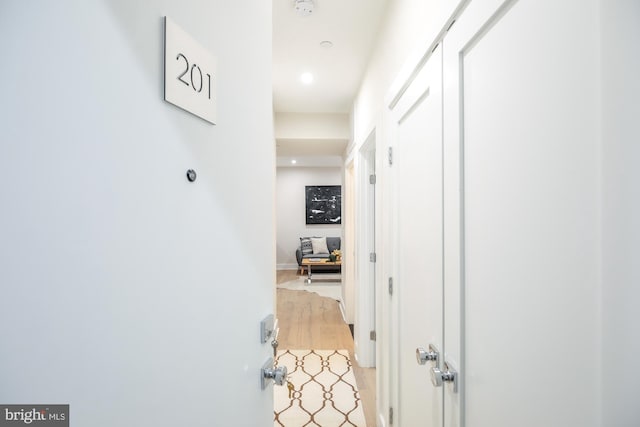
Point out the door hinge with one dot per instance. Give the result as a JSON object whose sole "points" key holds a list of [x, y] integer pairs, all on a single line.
{"points": [[372, 335], [390, 415], [390, 285], [372, 257], [372, 179], [390, 156]]}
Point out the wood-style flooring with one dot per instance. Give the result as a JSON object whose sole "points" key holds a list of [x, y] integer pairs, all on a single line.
{"points": [[309, 321]]}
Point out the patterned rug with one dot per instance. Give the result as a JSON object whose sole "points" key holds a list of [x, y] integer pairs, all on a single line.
{"points": [[323, 390]]}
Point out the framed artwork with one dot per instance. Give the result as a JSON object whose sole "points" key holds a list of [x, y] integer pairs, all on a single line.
{"points": [[324, 204]]}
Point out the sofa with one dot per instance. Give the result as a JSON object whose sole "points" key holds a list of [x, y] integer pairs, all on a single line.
{"points": [[312, 247]]}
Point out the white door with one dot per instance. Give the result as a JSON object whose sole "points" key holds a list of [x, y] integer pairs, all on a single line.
{"points": [[365, 346], [521, 262], [127, 291], [417, 293]]}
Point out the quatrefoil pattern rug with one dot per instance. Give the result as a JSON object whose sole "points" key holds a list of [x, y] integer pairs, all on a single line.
{"points": [[324, 392]]}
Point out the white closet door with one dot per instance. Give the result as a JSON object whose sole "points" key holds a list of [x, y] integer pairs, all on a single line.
{"points": [[417, 168], [521, 213]]}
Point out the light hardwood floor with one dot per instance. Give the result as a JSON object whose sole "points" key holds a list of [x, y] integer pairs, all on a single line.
{"points": [[309, 321]]}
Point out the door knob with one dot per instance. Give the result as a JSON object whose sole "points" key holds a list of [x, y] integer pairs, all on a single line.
{"points": [[422, 355], [438, 377], [278, 375], [269, 372]]}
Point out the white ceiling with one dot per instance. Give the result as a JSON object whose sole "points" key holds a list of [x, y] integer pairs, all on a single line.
{"points": [[351, 25]]}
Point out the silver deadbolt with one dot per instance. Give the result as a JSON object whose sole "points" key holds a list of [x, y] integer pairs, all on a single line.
{"points": [[268, 372], [449, 375], [423, 356]]}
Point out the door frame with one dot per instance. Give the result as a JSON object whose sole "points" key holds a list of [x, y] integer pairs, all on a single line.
{"points": [[365, 307], [349, 244]]}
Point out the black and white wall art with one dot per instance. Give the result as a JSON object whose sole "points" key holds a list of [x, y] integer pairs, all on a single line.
{"points": [[324, 204]]}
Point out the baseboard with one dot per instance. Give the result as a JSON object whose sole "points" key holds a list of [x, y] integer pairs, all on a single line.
{"points": [[287, 266]]}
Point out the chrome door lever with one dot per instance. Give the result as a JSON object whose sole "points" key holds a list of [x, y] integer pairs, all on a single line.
{"points": [[438, 377], [422, 355]]}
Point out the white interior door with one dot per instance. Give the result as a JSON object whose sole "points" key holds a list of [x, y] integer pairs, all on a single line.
{"points": [[418, 286], [521, 120], [365, 346]]}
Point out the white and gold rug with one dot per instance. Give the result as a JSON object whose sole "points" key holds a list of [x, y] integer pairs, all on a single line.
{"points": [[324, 391]]}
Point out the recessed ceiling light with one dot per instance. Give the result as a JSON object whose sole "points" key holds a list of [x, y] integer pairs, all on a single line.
{"points": [[306, 78], [326, 44], [293, 162]]}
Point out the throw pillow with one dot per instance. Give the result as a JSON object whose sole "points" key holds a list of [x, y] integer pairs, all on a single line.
{"points": [[319, 245], [305, 246]]}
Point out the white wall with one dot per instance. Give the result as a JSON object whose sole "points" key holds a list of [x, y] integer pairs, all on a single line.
{"points": [[311, 139], [408, 26], [621, 212], [118, 277], [311, 126], [290, 210], [616, 330]]}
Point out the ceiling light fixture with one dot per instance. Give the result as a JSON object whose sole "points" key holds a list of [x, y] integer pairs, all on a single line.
{"points": [[306, 78], [304, 7], [326, 44]]}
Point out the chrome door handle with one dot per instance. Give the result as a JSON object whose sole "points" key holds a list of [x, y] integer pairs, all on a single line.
{"points": [[423, 356], [268, 372], [449, 375]]}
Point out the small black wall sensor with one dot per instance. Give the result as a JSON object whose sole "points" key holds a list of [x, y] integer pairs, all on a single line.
{"points": [[191, 175]]}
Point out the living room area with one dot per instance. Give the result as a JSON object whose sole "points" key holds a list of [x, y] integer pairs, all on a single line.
{"points": [[308, 250]]}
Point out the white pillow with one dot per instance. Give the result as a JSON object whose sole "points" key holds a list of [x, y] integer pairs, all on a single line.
{"points": [[319, 245]]}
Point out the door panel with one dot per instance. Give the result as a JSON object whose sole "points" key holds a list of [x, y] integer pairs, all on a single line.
{"points": [[520, 120], [365, 347], [418, 166]]}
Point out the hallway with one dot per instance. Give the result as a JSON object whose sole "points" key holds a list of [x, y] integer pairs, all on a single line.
{"points": [[309, 321], [139, 240]]}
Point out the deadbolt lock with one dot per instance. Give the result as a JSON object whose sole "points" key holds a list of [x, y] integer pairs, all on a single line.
{"points": [[269, 372]]}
